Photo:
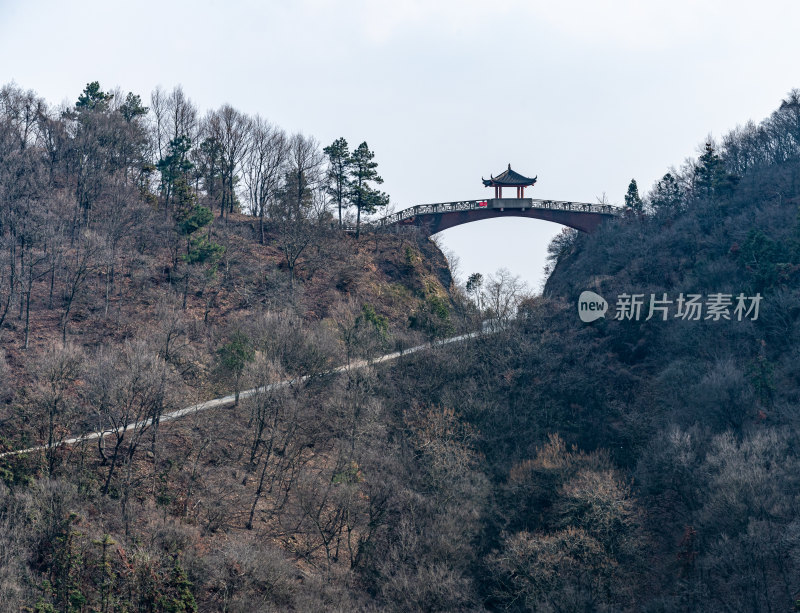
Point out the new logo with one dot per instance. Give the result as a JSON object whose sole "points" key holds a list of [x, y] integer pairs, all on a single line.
{"points": [[591, 306]]}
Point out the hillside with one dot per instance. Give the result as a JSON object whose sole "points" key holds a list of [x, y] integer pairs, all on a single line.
{"points": [[648, 464], [133, 284], [627, 464]]}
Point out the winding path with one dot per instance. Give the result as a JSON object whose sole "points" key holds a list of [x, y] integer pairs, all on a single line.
{"points": [[230, 398]]}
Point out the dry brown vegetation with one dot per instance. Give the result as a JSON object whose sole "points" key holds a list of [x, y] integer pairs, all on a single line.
{"points": [[548, 466]]}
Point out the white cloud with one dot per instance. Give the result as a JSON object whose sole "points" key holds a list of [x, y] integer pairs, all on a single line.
{"points": [[595, 92], [615, 23]]}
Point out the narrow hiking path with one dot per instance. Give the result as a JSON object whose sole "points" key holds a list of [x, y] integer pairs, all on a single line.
{"points": [[230, 398]]}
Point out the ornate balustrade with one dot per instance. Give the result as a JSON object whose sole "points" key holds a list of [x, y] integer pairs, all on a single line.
{"points": [[483, 205], [473, 205]]}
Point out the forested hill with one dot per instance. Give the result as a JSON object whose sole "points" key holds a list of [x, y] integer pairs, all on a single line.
{"points": [[151, 257], [628, 464], [700, 416], [120, 221]]}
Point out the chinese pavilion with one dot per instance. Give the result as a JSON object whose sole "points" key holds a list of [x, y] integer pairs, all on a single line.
{"points": [[509, 178]]}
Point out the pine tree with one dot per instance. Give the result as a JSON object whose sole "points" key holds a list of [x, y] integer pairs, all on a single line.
{"points": [[234, 356], [180, 598], [107, 579], [632, 199], [66, 569], [209, 168], [711, 181], [190, 217], [93, 98], [363, 171], [338, 180], [132, 107], [667, 194], [473, 287], [174, 170]]}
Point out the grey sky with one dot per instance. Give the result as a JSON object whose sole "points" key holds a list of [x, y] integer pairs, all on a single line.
{"points": [[584, 94]]}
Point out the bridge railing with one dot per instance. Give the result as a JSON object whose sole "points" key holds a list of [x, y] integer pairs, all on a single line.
{"points": [[472, 205]]}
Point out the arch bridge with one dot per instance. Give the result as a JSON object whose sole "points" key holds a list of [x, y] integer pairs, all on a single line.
{"points": [[433, 218]]}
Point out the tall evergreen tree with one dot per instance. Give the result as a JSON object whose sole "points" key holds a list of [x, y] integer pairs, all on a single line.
{"points": [[363, 171], [667, 194], [711, 181], [338, 180], [132, 107], [632, 199], [174, 168]]}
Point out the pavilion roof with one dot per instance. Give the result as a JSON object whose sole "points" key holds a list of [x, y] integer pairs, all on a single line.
{"points": [[509, 178]]}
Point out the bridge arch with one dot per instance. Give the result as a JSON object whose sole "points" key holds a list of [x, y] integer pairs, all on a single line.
{"points": [[433, 218]]}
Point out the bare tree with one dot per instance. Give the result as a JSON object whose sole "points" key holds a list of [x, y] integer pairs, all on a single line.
{"points": [[77, 268], [230, 130], [175, 115], [8, 275], [305, 164], [501, 296], [20, 111], [279, 443], [294, 213], [31, 265], [264, 167], [130, 390], [55, 372]]}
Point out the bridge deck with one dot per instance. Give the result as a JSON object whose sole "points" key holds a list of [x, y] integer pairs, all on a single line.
{"points": [[509, 204]]}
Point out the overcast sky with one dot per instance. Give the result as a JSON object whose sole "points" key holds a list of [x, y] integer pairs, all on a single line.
{"points": [[584, 94]]}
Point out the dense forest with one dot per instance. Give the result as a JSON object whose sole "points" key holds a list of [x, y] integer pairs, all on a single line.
{"points": [[152, 257]]}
